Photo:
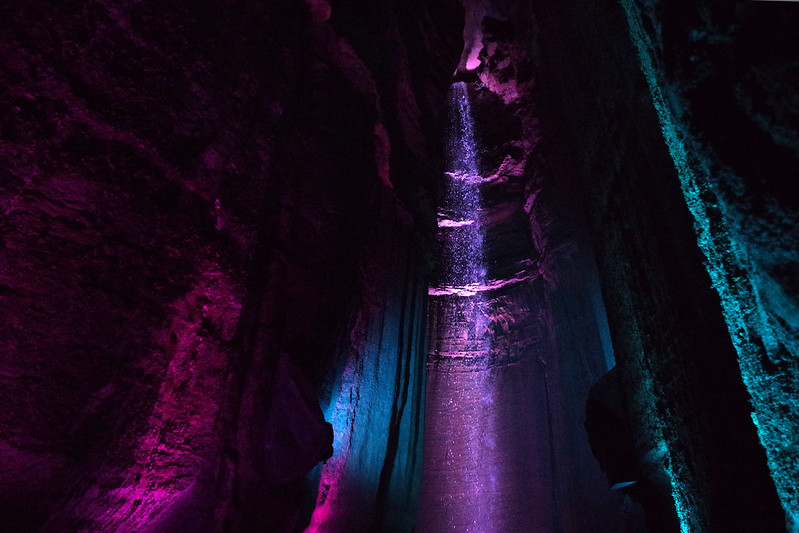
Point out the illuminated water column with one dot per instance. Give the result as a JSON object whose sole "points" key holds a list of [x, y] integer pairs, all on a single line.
{"points": [[461, 276], [457, 293], [462, 253], [478, 475]]}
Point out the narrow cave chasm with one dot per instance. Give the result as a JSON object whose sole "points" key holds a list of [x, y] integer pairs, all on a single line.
{"points": [[219, 305], [515, 337], [519, 352], [517, 333], [560, 196]]}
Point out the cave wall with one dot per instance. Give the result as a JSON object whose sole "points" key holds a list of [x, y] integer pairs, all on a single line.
{"points": [[197, 201], [549, 321], [677, 361], [512, 358], [724, 80], [217, 216]]}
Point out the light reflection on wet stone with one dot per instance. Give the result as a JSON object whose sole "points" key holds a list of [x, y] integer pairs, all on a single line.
{"points": [[485, 458]]}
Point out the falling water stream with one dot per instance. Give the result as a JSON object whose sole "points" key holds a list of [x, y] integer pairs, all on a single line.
{"points": [[513, 348], [488, 454], [478, 444], [510, 358], [462, 253], [462, 483], [461, 278]]}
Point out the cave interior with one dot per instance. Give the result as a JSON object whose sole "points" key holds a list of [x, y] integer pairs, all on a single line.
{"points": [[419, 266]]}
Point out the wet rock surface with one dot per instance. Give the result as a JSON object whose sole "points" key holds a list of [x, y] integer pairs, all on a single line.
{"points": [[512, 357]]}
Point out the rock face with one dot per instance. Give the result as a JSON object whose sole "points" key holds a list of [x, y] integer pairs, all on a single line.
{"points": [[197, 201], [689, 322], [516, 341], [218, 227], [724, 79]]}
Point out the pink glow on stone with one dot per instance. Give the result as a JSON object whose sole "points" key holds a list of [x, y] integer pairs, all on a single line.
{"points": [[476, 288], [447, 223], [468, 177], [472, 34], [172, 449], [341, 415], [473, 62]]}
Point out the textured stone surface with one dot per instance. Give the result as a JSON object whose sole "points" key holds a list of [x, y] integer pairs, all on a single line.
{"points": [[193, 201], [217, 224], [676, 361], [510, 367], [724, 80]]}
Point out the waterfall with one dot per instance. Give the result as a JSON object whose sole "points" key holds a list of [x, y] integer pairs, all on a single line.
{"points": [[508, 367], [457, 291], [462, 454], [461, 251]]}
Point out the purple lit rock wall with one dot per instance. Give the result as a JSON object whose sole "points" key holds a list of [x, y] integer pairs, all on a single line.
{"points": [[197, 200], [512, 356]]}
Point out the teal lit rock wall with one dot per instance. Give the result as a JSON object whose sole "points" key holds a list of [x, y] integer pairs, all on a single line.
{"points": [[724, 81], [677, 361]]}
